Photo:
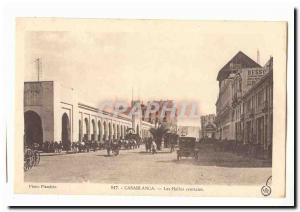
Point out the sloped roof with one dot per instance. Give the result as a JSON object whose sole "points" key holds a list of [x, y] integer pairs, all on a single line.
{"points": [[239, 58], [269, 63]]}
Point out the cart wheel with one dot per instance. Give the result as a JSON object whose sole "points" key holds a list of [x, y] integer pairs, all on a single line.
{"points": [[27, 164], [28, 160]]}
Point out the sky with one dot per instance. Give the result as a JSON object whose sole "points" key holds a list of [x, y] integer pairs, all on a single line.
{"points": [[175, 60]]}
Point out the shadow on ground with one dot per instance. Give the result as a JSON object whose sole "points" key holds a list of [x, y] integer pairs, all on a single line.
{"points": [[222, 159], [60, 154], [158, 152], [108, 156], [52, 154]]}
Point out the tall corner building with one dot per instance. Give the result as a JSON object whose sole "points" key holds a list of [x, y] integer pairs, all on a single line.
{"points": [[226, 106]]}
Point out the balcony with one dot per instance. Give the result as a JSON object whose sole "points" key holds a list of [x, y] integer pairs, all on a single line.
{"points": [[238, 94], [234, 102], [242, 116], [251, 113], [265, 107], [236, 98]]}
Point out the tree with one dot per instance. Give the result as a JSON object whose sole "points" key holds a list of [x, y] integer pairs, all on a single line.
{"points": [[158, 133]]}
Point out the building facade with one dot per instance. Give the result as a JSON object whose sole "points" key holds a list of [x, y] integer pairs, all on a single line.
{"points": [[189, 131], [227, 128], [135, 112], [53, 112], [208, 127], [165, 114], [243, 80], [258, 115], [245, 106]]}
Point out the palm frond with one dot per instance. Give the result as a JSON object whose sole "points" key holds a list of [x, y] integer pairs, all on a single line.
{"points": [[159, 132]]}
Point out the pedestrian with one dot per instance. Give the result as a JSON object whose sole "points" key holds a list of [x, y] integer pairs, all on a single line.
{"points": [[46, 146], [55, 146], [51, 146], [60, 146], [172, 145], [147, 144], [153, 147], [108, 146]]}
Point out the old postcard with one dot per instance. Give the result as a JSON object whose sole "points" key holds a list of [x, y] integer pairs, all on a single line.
{"points": [[150, 107]]}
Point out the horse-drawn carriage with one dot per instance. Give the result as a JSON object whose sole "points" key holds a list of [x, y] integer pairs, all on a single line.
{"points": [[132, 141], [187, 148], [84, 146], [113, 147]]}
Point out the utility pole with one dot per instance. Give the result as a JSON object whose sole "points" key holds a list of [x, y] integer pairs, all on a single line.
{"points": [[258, 57], [39, 68]]}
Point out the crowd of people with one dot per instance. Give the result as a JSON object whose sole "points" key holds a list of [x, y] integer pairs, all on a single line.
{"points": [[89, 145], [52, 146], [110, 145]]}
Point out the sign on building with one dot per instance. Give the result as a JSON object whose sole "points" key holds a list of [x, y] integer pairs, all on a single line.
{"points": [[251, 75]]}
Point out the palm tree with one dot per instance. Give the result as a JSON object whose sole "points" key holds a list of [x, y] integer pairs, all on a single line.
{"points": [[158, 133]]}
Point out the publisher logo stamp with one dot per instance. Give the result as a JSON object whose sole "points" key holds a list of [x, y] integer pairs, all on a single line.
{"points": [[266, 189]]}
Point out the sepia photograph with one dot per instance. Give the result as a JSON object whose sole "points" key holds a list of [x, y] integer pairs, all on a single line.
{"points": [[150, 107]]}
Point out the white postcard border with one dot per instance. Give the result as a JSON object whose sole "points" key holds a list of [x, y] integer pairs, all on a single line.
{"points": [[282, 13]]}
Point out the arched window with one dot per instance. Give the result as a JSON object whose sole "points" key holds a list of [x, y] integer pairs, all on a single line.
{"points": [[65, 132], [105, 131], [99, 131], [122, 132], [118, 131], [80, 130], [87, 129], [33, 128], [114, 131], [109, 131], [93, 136]]}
